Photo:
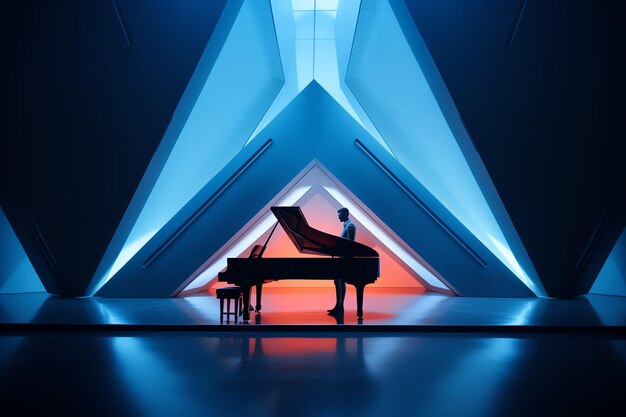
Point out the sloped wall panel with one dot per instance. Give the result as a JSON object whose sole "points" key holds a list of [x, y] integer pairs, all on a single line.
{"points": [[401, 92], [540, 90], [612, 277], [17, 274], [235, 93], [90, 87]]}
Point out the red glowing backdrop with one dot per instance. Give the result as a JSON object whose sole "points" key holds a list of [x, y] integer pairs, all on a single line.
{"points": [[320, 210]]}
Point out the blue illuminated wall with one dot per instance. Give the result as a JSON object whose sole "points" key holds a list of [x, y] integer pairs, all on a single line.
{"points": [[16, 272], [387, 78], [344, 48], [612, 277], [315, 40], [90, 91], [532, 97], [540, 90], [236, 93]]}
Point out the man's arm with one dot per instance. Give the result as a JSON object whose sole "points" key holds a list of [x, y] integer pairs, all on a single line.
{"points": [[351, 232]]}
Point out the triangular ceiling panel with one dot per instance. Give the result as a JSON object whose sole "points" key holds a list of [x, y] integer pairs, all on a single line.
{"points": [[233, 94], [262, 169], [17, 275], [612, 277]]}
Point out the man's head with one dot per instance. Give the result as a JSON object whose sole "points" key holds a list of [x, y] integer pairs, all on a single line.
{"points": [[343, 214]]}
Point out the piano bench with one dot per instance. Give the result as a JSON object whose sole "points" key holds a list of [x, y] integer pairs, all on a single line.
{"points": [[230, 293]]}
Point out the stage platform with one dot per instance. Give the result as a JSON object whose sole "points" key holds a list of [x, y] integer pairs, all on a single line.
{"points": [[304, 309], [414, 354]]}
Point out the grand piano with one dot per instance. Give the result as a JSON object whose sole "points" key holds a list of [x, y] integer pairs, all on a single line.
{"points": [[355, 263]]}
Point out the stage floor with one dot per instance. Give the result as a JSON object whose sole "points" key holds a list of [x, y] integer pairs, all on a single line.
{"points": [[414, 354], [305, 309], [312, 375]]}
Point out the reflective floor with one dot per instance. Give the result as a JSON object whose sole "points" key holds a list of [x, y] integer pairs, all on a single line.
{"points": [[297, 371], [209, 374], [306, 306]]}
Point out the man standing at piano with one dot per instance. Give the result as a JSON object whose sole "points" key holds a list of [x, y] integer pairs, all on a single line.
{"points": [[348, 232]]}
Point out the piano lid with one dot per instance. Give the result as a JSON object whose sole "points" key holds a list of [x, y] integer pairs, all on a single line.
{"points": [[312, 241]]}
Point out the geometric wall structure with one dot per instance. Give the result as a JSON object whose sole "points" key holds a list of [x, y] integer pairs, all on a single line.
{"points": [[249, 182], [431, 154], [227, 99], [417, 119], [612, 277], [371, 80], [315, 40], [91, 89], [539, 88], [16, 272]]}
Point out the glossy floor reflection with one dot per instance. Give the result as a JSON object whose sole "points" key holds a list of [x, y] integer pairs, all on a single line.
{"points": [[228, 375], [307, 306]]}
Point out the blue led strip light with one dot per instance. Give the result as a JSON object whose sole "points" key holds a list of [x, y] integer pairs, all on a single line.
{"points": [[214, 197]]}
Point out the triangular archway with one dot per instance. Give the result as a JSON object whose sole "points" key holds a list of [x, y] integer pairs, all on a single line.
{"points": [[319, 195], [264, 167]]}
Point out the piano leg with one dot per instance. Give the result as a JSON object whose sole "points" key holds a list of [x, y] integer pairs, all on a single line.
{"points": [[259, 291], [359, 299], [246, 302]]}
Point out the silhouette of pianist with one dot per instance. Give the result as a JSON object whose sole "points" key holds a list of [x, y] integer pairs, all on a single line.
{"points": [[348, 232]]}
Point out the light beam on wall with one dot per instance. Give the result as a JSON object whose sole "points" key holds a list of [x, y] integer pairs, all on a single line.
{"points": [[237, 92], [392, 87]]}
